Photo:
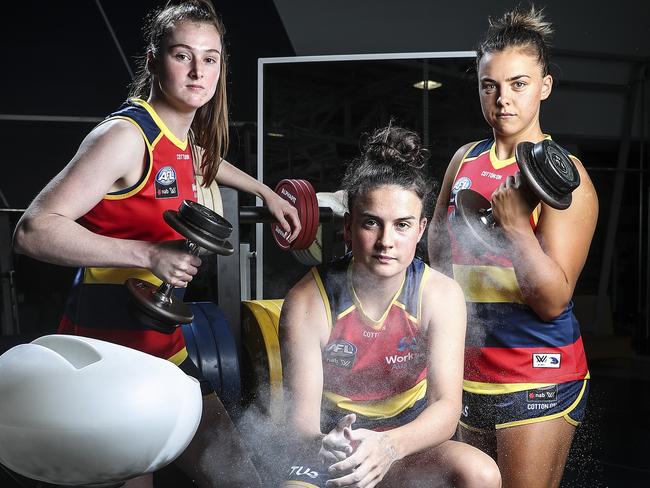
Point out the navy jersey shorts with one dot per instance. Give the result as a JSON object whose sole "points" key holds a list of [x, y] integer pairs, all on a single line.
{"points": [[482, 412], [306, 475]]}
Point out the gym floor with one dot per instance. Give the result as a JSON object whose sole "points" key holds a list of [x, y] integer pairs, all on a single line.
{"points": [[610, 449]]}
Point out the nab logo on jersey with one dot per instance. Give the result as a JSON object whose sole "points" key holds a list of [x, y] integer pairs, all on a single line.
{"points": [[166, 185], [543, 360], [545, 394]]}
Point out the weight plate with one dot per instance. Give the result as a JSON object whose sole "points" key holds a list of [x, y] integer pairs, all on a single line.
{"points": [[212, 347], [469, 219], [550, 181], [289, 191], [302, 241], [205, 219], [263, 375], [313, 255], [160, 315], [197, 235], [312, 201]]}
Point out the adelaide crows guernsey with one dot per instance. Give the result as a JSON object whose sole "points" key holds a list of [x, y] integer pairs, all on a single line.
{"points": [[374, 368], [98, 305], [508, 347]]}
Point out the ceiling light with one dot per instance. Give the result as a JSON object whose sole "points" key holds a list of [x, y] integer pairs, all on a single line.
{"points": [[274, 134], [428, 84]]}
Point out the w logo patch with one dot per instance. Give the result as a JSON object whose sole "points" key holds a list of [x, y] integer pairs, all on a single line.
{"points": [[546, 360]]}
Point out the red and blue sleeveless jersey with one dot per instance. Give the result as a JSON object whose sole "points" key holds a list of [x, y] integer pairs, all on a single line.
{"points": [[374, 368], [508, 347], [98, 304]]}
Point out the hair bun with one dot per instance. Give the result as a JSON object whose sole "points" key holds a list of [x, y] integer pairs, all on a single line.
{"points": [[395, 144]]}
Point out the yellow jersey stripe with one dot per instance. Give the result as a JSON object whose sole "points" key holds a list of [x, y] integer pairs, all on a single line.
{"points": [[179, 357], [425, 277], [380, 409], [488, 284], [496, 162], [137, 188], [564, 413], [117, 276], [323, 294], [170, 135], [403, 307], [348, 310], [500, 389], [464, 159], [502, 163]]}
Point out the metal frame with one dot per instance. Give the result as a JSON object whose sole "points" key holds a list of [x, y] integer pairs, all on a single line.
{"points": [[9, 324], [261, 63]]}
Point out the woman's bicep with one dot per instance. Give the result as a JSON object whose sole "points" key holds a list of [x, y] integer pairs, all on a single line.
{"points": [[447, 321], [437, 237], [302, 327], [565, 235], [93, 171]]}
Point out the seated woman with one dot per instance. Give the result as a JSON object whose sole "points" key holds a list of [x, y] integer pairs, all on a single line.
{"points": [[372, 345]]}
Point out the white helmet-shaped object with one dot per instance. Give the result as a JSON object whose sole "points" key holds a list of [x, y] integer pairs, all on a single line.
{"points": [[77, 411]]}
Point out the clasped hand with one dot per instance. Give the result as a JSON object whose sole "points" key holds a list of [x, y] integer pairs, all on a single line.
{"points": [[356, 457]]}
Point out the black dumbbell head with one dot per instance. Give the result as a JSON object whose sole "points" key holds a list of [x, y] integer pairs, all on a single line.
{"points": [[549, 172], [156, 314], [205, 218], [201, 226]]}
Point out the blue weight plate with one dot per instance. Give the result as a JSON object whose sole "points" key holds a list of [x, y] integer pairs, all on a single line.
{"points": [[190, 344], [208, 355], [228, 357], [218, 352]]}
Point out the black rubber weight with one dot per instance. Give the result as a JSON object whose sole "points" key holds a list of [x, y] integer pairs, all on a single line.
{"points": [[206, 219]]}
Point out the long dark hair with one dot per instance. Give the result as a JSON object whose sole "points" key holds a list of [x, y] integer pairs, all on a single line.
{"points": [[209, 129], [523, 29], [391, 155]]}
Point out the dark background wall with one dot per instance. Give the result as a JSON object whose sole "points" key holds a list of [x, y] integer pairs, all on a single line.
{"points": [[63, 61]]}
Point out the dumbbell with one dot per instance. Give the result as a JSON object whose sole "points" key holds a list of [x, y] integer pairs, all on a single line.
{"points": [[548, 175], [203, 228]]}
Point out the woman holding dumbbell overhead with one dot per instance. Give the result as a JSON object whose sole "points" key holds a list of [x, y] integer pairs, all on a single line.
{"points": [[372, 344], [103, 212], [526, 377]]}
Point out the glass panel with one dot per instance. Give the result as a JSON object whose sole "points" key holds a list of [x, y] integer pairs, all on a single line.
{"points": [[314, 114]]}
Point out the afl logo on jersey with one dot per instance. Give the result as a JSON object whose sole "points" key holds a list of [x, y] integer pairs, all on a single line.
{"points": [[341, 353], [461, 184], [166, 186], [166, 176]]}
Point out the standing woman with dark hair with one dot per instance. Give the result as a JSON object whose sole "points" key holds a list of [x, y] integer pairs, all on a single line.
{"points": [[526, 377], [372, 344], [103, 212]]}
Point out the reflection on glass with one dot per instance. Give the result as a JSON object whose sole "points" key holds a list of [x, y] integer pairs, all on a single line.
{"points": [[314, 114]]}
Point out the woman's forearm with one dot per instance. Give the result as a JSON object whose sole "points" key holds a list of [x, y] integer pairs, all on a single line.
{"points": [[59, 240]]}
